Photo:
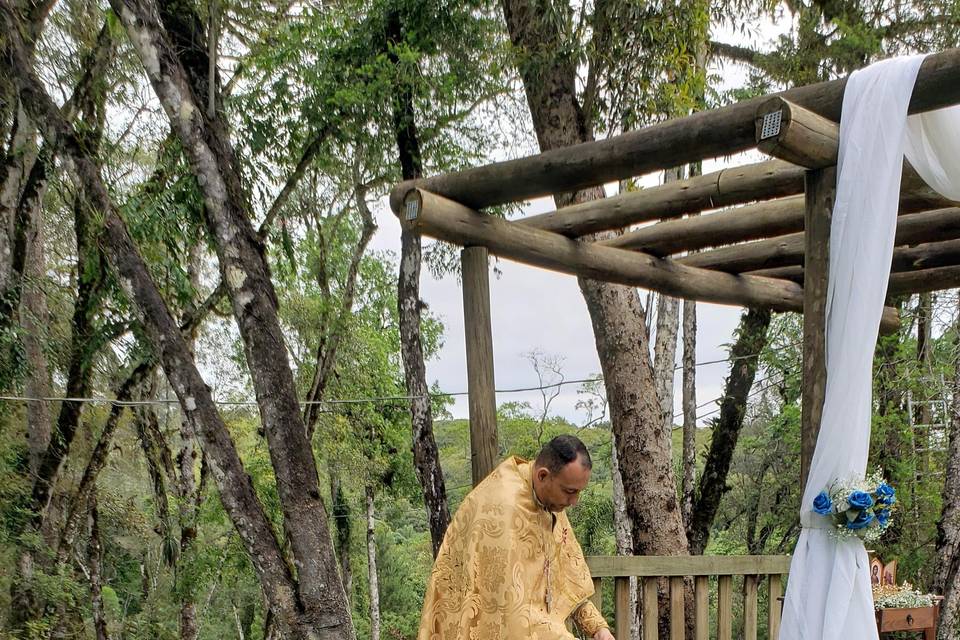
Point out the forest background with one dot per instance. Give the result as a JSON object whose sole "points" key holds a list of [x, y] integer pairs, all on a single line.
{"points": [[215, 401]]}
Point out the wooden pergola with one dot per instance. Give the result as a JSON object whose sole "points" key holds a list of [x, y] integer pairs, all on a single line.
{"points": [[771, 252]]}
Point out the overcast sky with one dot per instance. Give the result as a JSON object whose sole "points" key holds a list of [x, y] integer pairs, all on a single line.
{"points": [[535, 309]]}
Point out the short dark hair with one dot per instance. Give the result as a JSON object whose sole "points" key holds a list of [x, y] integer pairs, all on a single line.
{"points": [[561, 451]]}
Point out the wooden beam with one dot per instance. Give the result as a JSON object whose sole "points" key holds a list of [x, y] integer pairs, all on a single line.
{"points": [[820, 191], [435, 216], [924, 280], [749, 222], [680, 566], [788, 131], [708, 134], [480, 376], [927, 256], [901, 282], [793, 273], [736, 185], [787, 250]]}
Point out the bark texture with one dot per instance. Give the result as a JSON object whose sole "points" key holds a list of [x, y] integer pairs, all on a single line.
{"points": [[751, 338], [95, 554], [946, 579], [372, 577], [426, 456], [689, 458]]}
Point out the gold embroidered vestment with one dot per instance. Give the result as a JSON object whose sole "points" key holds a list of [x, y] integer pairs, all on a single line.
{"points": [[508, 569]]}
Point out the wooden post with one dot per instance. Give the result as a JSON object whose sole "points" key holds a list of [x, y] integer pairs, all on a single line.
{"points": [[621, 608], [701, 616], [480, 379], [775, 606], [725, 607], [821, 185]]}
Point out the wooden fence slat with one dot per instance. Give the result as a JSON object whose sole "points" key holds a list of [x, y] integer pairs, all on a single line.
{"points": [[677, 619], [621, 599], [750, 608], [725, 608], [651, 611], [701, 616], [597, 597], [773, 614]]}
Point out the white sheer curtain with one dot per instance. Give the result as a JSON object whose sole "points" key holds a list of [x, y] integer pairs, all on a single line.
{"points": [[828, 591]]}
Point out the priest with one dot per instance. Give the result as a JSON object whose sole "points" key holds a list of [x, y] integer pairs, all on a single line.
{"points": [[510, 566]]}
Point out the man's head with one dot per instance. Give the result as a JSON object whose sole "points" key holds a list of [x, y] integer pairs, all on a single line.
{"points": [[560, 472]]}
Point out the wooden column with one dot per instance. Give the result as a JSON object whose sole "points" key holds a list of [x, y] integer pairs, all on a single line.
{"points": [[821, 185], [479, 339]]}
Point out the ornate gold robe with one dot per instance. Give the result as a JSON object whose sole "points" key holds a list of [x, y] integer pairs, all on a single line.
{"points": [[507, 568]]}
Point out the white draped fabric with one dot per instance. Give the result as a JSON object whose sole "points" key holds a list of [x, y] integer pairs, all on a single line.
{"points": [[828, 590]]}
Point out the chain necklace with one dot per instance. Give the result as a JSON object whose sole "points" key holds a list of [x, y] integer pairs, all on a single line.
{"points": [[547, 562]]}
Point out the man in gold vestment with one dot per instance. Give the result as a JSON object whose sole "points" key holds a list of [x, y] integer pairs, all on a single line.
{"points": [[510, 567]]}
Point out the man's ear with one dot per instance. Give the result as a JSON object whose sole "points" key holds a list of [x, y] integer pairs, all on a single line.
{"points": [[542, 473]]}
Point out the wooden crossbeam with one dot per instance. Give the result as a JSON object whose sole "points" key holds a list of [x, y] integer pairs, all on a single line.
{"points": [[735, 185], [438, 217], [708, 134], [807, 139], [788, 131], [901, 283], [787, 250], [767, 219], [749, 222]]}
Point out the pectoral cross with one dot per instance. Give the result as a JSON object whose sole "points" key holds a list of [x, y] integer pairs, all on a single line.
{"points": [[546, 574]]}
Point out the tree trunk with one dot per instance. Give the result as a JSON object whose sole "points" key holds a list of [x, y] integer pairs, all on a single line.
{"points": [[664, 359], [615, 311], [33, 319], [190, 495], [341, 521], [98, 459], [689, 458], [88, 100], [178, 75], [665, 347], [622, 527], [236, 489], [160, 470], [372, 577], [751, 338], [946, 579], [426, 457], [95, 553]]}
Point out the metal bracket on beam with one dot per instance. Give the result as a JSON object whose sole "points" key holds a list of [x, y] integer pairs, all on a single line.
{"points": [[411, 207], [770, 128]]}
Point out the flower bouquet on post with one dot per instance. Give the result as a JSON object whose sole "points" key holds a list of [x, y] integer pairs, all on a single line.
{"points": [[858, 508]]}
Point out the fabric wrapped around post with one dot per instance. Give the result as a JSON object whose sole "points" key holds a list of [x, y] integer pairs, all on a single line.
{"points": [[829, 595]]}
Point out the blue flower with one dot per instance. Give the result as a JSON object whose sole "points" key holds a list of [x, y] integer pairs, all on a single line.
{"points": [[863, 519], [883, 517], [886, 494], [860, 500], [822, 504]]}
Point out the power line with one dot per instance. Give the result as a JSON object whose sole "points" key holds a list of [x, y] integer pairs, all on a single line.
{"points": [[346, 401]]}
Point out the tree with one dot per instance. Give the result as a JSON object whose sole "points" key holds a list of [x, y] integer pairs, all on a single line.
{"points": [[305, 604]]}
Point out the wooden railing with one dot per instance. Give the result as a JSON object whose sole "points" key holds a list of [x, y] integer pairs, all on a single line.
{"points": [[649, 569]]}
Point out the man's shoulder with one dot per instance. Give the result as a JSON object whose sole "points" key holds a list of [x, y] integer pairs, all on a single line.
{"points": [[505, 484]]}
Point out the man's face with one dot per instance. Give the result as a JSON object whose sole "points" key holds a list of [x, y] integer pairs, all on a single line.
{"points": [[560, 490]]}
